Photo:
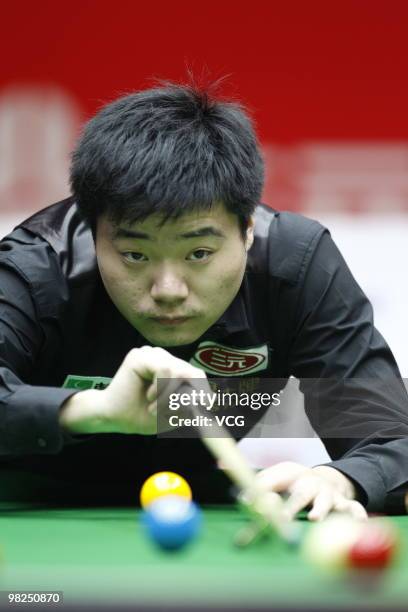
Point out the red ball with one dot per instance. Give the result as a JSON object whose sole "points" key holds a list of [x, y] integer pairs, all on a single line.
{"points": [[375, 547]]}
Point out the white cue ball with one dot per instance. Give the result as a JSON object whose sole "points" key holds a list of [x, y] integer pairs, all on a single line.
{"points": [[327, 543]]}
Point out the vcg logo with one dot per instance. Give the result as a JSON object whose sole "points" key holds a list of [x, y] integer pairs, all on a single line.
{"points": [[227, 361]]}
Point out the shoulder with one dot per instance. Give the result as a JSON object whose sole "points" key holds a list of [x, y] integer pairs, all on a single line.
{"points": [[53, 237], [284, 243], [53, 253]]}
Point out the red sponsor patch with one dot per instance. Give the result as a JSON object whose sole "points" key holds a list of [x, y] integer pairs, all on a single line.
{"points": [[228, 360]]}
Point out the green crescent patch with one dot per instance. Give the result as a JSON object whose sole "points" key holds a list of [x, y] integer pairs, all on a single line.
{"points": [[86, 382]]}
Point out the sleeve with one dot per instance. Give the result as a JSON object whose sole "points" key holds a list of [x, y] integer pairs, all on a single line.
{"points": [[354, 396], [28, 414]]}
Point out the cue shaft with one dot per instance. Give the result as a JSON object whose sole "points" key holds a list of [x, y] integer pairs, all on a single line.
{"points": [[265, 506]]}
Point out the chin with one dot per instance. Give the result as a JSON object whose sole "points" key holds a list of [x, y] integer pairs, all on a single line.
{"points": [[177, 338], [167, 343]]}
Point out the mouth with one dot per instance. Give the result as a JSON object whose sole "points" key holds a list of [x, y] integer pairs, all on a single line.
{"points": [[170, 321]]}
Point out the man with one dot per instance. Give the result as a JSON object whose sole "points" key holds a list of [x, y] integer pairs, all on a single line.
{"points": [[162, 253]]}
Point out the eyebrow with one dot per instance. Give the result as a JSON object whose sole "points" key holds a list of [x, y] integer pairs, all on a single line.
{"points": [[199, 233]]}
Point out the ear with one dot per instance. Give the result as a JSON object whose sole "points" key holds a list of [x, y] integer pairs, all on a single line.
{"points": [[250, 233]]}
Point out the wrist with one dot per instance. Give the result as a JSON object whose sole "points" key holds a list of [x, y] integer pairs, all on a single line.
{"points": [[337, 479], [83, 413]]}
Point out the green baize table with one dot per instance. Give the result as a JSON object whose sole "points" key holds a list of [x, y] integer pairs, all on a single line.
{"points": [[103, 556]]}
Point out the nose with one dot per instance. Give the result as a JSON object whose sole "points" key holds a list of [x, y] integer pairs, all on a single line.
{"points": [[168, 287]]}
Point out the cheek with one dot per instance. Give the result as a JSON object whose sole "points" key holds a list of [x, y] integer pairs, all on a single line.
{"points": [[122, 288], [109, 274], [233, 266], [225, 279]]}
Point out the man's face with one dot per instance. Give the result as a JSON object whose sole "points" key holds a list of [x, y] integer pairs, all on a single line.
{"points": [[173, 282]]}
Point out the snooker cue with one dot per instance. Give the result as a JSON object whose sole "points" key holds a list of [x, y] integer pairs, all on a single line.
{"points": [[265, 506]]}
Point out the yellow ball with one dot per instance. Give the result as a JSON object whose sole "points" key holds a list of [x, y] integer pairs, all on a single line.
{"points": [[161, 484]]}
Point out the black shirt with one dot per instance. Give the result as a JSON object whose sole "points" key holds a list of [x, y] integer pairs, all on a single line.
{"points": [[298, 301]]}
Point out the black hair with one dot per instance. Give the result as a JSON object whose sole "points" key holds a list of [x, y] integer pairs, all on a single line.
{"points": [[169, 150]]}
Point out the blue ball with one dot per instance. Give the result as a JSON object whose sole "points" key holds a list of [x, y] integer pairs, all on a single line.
{"points": [[172, 521]]}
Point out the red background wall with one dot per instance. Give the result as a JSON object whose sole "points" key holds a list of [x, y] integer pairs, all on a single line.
{"points": [[308, 69]]}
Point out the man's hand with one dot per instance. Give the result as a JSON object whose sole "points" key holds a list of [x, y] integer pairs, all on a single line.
{"points": [[128, 404], [323, 488]]}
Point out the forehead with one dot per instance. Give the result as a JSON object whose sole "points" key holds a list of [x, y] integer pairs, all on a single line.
{"points": [[216, 221]]}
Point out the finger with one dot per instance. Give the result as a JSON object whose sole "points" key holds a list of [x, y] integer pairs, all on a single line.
{"points": [[350, 506], [142, 362], [151, 392], [152, 409], [281, 476], [149, 361], [169, 380], [358, 511], [322, 505], [298, 501], [164, 384]]}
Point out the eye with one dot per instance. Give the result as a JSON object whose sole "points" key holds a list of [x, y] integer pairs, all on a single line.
{"points": [[200, 255], [134, 257]]}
